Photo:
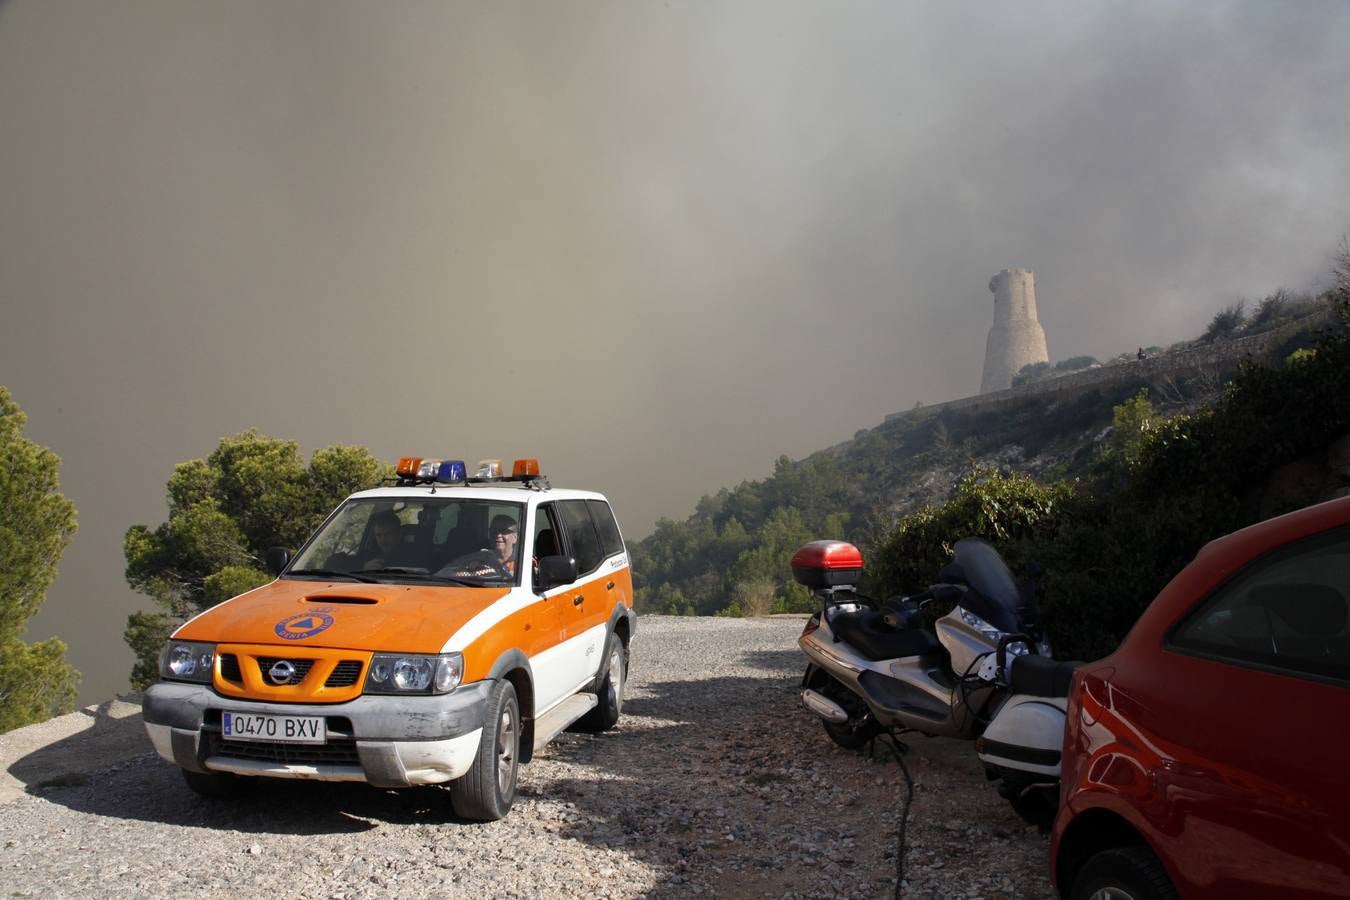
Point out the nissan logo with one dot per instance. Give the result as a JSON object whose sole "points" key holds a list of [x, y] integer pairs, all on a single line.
{"points": [[282, 671]]}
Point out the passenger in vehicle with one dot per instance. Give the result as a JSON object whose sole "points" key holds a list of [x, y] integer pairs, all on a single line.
{"points": [[387, 541]]}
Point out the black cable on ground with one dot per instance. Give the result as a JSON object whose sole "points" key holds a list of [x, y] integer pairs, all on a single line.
{"points": [[898, 748]]}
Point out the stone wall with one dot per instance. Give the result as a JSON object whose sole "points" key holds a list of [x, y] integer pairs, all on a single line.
{"points": [[1218, 357]]}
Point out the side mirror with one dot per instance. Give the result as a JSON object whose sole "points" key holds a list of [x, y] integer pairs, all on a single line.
{"points": [[556, 570], [277, 558], [952, 573]]}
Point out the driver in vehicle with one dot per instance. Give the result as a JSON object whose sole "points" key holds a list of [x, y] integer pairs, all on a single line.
{"points": [[497, 560], [505, 535]]}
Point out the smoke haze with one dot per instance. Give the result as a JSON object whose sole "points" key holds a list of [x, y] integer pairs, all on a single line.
{"points": [[655, 245]]}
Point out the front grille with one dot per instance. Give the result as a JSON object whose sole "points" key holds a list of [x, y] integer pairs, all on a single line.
{"points": [[229, 668], [302, 666], [344, 674], [334, 753]]}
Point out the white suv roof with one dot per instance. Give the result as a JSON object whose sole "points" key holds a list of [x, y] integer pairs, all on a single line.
{"points": [[509, 493]]}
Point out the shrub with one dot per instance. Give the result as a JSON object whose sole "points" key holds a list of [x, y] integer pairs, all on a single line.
{"points": [[1226, 322], [1031, 372], [1076, 363]]}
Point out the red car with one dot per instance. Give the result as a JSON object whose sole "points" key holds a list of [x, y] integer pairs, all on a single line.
{"points": [[1209, 756]]}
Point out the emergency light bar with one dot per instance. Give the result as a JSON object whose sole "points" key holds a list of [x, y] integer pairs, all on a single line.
{"points": [[418, 470]]}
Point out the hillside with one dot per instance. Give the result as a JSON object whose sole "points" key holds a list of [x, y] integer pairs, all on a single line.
{"points": [[730, 556]]}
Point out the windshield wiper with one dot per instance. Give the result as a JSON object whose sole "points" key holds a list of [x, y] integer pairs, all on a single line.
{"points": [[333, 573], [426, 576]]}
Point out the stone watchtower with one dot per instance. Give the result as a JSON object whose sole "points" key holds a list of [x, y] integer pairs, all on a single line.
{"points": [[1016, 338]]}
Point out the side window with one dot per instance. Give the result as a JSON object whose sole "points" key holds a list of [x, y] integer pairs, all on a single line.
{"points": [[546, 532], [603, 518], [1286, 611], [585, 542]]}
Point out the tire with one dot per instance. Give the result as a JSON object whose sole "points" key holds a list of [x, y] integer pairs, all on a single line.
{"points": [[485, 792], [1031, 798], [860, 729], [610, 692], [216, 785], [1124, 873]]}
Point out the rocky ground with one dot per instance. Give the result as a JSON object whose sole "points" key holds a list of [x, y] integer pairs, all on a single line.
{"points": [[715, 783]]}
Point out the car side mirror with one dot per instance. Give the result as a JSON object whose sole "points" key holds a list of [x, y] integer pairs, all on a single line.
{"points": [[277, 558], [556, 570]]}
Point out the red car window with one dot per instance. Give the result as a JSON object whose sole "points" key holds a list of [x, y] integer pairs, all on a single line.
{"points": [[1287, 612]]}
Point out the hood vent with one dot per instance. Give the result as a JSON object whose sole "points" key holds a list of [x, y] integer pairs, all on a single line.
{"points": [[358, 601]]}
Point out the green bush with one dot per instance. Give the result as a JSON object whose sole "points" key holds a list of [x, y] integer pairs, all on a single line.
{"points": [[1162, 491]]}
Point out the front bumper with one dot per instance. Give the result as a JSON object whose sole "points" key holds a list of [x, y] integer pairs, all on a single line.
{"points": [[386, 741]]}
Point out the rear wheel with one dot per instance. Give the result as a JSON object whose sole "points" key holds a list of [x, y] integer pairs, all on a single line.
{"points": [[1124, 873], [606, 713], [485, 793], [860, 728]]}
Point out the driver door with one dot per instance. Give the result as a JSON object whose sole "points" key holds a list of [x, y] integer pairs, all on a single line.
{"points": [[554, 676]]}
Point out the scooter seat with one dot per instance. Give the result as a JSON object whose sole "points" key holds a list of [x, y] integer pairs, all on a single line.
{"points": [[871, 637], [1041, 676]]}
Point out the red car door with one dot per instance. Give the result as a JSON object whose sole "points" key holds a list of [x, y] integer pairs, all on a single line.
{"points": [[1245, 711]]}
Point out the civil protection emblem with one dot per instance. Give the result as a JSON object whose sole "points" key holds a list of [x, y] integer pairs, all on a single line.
{"points": [[305, 625]]}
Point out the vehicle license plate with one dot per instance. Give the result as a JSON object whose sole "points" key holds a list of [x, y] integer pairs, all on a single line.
{"points": [[278, 729]]}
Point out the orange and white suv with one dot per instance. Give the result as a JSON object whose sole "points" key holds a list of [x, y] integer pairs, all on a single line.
{"points": [[439, 630]]}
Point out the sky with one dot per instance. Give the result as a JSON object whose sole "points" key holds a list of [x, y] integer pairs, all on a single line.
{"points": [[655, 245]]}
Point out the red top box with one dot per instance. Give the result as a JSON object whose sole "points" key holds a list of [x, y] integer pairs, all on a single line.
{"points": [[826, 564]]}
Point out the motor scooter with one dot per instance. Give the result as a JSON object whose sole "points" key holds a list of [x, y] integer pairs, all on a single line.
{"points": [[964, 659]]}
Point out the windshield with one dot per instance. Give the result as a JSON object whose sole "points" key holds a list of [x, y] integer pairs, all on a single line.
{"points": [[987, 574], [434, 539]]}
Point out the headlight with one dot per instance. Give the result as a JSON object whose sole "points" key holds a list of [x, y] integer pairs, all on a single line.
{"points": [[188, 661], [410, 673], [980, 625]]}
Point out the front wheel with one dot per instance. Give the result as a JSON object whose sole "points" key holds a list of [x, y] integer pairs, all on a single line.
{"points": [[216, 785], [1124, 873], [485, 792]]}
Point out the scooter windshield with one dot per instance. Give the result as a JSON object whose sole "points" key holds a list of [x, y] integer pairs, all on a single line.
{"points": [[994, 596]]}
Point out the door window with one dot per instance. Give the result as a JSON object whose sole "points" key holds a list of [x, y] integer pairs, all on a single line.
{"points": [[1287, 611], [581, 534], [547, 540], [603, 517]]}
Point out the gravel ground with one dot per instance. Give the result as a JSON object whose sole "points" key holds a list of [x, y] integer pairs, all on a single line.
{"points": [[715, 783]]}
